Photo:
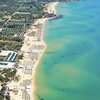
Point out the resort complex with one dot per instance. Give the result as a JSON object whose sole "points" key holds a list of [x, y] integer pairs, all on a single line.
{"points": [[7, 59]]}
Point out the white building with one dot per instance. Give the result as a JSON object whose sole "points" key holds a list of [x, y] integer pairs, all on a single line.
{"points": [[7, 59]]}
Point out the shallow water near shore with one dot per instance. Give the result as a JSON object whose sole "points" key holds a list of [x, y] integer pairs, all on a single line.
{"points": [[70, 67]]}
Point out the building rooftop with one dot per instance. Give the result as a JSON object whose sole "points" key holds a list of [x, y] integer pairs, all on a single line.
{"points": [[6, 64], [7, 59]]}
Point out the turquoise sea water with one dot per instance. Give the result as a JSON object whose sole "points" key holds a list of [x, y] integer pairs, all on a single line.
{"points": [[70, 67]]}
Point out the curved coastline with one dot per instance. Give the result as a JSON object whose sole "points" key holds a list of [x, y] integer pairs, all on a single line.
{"points": [[51, 8], [69, 71], [32, 51]]}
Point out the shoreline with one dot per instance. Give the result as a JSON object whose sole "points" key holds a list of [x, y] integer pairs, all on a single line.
{"points": [[33, 49], [51, 8], [38, 61]]}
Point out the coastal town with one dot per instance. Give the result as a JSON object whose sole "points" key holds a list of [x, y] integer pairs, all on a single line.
{"points": [[22, 49]]}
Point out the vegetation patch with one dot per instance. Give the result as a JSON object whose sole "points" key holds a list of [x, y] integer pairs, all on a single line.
{"points": [[7, 74]]}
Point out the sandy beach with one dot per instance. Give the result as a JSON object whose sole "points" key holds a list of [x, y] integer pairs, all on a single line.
{"points": [[51, 8], [32, 49]]}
